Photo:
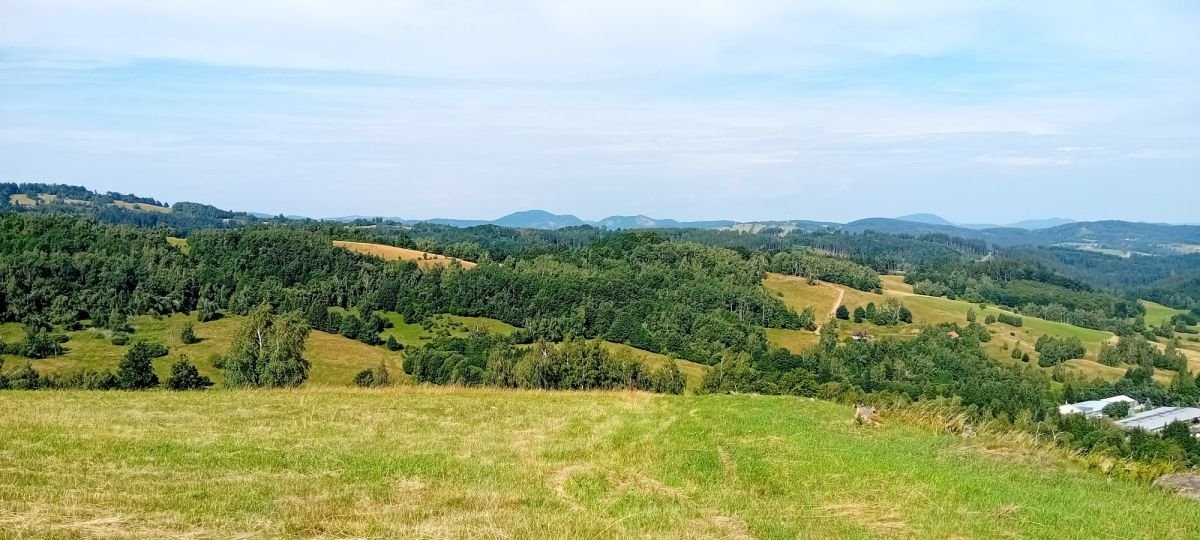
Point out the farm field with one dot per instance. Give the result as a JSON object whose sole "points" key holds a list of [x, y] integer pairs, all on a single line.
{"points": [[453, 463], [796, 293], [392, 253]]}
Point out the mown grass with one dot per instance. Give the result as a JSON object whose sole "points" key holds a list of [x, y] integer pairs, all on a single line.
{"points": [[796, 293], [393, 253], [433, 463], [142, 207]]}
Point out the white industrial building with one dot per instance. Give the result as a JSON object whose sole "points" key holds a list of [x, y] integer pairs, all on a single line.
{"points": [[1095, 408], [1156, 419]]}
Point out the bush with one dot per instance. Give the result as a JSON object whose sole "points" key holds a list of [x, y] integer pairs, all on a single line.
{"points": [[188, 334], [394, 345], [990, 319], [185, 376], [365, 379], [120, 339], [843, 313]]}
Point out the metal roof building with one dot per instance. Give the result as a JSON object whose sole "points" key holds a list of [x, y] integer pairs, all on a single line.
{"points": [[1156, 419], [1095, 408]]}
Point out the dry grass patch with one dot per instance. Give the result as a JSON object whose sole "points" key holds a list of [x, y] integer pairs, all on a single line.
{"points": [[393, 253], [141, 207]]}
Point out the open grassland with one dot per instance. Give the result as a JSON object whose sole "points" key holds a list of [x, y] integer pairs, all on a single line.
{"points": [[392, 253], [22, 199], [1157, 313], [797, 293], [335, 359], [142, 207], [434, 463]]}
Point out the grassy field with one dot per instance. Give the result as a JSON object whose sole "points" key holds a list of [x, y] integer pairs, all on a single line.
{"points": [[334, 358], [392, 253], [796, 293], [142, 207], [433, 463], [180, 243], [1157, 313], [22, 199]]}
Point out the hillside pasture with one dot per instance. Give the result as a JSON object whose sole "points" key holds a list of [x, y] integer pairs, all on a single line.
{"points": [[22, 199], [141, 207], [393, 253], [334, 358], [795, 292], [419, 462]]}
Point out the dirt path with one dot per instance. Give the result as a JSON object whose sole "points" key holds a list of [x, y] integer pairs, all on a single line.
{"points": [[836, 303]]}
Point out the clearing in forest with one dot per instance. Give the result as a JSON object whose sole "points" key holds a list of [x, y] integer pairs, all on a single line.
{"points": [[393, 253]]}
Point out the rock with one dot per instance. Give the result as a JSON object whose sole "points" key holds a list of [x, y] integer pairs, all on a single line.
{"points": [[1186, 484]]}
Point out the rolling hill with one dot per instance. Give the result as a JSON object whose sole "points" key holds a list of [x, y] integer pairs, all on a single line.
{"points": [[797, 294]]}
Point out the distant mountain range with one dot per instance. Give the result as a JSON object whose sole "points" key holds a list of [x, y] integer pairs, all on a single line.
{"points": [[1029, 224], [1111, 237], [541, 219]]}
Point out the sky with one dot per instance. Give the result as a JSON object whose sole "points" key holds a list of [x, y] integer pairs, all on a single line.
{"points": [[981, 112]]}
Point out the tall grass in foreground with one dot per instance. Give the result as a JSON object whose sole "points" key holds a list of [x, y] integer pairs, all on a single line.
{"points": [[457, 463]]}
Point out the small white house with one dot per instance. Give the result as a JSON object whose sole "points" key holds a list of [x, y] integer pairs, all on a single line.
{"points": [[1156, 419], [1095, 408]]}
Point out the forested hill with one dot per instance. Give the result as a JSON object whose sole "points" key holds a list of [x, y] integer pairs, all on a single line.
{"points": [[1132, 260], [116, 208]]}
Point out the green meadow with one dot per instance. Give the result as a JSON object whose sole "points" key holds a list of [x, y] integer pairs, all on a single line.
{"points": [[413, 462]]}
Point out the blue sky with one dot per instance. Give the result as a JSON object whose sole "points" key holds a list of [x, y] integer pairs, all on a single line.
{"points": [[701, 109]]}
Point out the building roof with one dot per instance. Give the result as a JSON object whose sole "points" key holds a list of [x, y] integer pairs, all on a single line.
{"points": [[1094, 406], [1156, 419]]}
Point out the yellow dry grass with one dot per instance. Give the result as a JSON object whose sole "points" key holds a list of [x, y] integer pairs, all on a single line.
{"points": [[393, 253], [21, 199], [142, 207]]}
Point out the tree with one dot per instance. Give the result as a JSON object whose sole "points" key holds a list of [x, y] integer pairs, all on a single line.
{"points": [[185, 376], [859, 314], [1117, 410], [188, 334], [1016, 353], [394, 345], [971, 314], [843, 313], [268, 351], [206, 310], [869, 314], [990, 319], [829, 335], [136, 370], [905, 315]]}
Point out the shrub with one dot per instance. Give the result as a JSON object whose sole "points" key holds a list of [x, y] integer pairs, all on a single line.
{"points": [[843, 313], [185, 376], [394, 345], [188, 334], [120, 339]]}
